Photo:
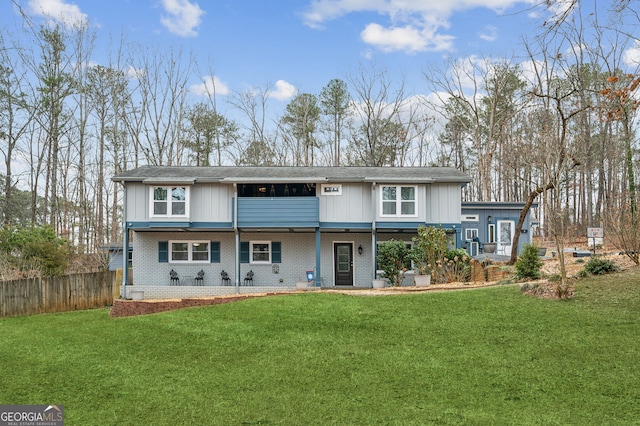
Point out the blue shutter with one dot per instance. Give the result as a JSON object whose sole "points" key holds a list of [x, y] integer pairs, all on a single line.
{"points": [[244, 252], [276, 252], [163, 251], [215, 252]]}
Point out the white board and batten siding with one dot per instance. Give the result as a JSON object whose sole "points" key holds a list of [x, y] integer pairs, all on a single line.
{"points": [[352, 205], [443, 203], [211, 203], [208, 203]]}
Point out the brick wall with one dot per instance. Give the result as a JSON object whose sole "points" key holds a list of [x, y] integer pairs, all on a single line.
{"points": [[127, 308], [489, 273]]}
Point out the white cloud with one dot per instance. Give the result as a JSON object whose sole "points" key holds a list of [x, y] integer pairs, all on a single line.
{"points": [[134, 73], [283, 91], [210, 85], [408, 39], [182, 17], [66, 13], [632, 55], [489, 33], [414, 25]]}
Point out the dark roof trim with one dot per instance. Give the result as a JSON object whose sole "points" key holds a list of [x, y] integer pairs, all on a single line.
{"points": [[495, 205], [166, 174]]}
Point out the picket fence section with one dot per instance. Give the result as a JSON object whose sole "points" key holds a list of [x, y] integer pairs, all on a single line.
{"points": [[56, 294]]}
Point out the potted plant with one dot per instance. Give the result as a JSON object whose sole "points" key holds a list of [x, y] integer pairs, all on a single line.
{"points": [[429, 247], [489, 247], [379, 281], [392, 259]]}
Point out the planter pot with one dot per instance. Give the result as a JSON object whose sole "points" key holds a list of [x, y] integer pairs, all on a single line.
{"points": [[489, 247], [422, 280], [136, 295], [379, 283], [542, 251], [301, 285]]}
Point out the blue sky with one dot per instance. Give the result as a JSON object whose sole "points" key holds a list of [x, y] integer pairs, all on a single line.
{"points": [[300, 45]]}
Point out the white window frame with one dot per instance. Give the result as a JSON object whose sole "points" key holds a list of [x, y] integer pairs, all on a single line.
{"points": [[492, 233], [190, 251], [398, 201], [169, 188], [469, 233], [252, 252]]}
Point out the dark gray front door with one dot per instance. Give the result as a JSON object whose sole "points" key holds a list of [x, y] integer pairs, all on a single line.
{"points": [[343, 263]]}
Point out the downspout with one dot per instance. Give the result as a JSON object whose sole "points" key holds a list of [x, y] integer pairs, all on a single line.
{"points": [[125, 246], [318, 247], [237, 236], [373, 229]]}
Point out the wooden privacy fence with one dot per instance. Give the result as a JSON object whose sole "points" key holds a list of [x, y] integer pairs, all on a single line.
{"points": [[56, 294]]}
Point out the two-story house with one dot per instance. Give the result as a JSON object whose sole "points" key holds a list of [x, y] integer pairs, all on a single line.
{"points": [[198, 231]]}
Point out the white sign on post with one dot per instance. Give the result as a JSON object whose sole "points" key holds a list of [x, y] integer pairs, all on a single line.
{"points": [[595, 232], [595, 237]]}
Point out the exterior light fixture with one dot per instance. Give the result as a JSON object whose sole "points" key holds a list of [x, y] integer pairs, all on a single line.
{"points": [[360, 249]]}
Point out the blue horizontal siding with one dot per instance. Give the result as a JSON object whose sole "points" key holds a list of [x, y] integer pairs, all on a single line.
{"points": [[278, 212]]}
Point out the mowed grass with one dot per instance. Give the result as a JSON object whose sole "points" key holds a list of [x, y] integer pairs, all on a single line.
{"points": [[489, 356]]}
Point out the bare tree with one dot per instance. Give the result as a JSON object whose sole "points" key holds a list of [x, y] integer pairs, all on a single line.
{"points": [[484, 97], [379, 133], [258, 147], [162, 79], [14, 121]]}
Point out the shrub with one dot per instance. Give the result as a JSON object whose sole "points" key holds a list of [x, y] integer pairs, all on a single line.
{"points": [[455, 267], [429, 247], [33, 248], [392, 259], [53, 258], [528, 264], [599, 266]]}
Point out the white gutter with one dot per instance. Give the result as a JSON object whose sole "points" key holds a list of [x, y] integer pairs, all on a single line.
{"points": [[125, 244], [273, 180], [373, 229]]}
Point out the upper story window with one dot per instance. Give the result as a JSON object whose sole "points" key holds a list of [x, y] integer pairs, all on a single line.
{"points": [[168, 201], [399, 201]]}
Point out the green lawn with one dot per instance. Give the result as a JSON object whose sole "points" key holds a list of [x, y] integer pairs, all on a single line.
{"points": [[489, 356]]}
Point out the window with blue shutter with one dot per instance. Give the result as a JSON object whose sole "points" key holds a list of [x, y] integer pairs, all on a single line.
{"points": [[276, 252], [215, 252], [244, 252], [163, 251]]}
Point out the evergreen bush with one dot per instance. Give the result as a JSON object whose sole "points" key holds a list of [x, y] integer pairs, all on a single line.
{"points": [[528, 264], [599, 266]]}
